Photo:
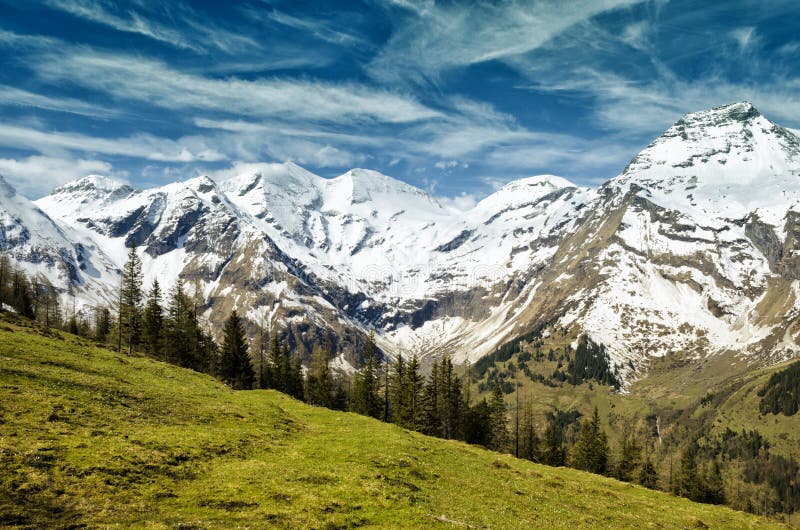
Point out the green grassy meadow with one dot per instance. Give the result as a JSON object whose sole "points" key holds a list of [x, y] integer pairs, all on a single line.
{"points": [[91, 438]]}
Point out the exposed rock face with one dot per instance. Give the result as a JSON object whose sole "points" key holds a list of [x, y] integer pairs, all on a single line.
{"points": [[693, 249]]}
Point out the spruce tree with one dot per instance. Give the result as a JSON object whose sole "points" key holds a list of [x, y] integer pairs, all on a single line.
{"points": [[364, 398], [590, 452], [21, 295], [5, 275], [153, 321], [628, 460], [181, 332], [102, 325], [415, 385], [271, 375], [498, 422], [235, 368], [648, 475], [319, 383], [398, 393], [432, 403], [529, 443], [553, 452], [130, 301]]}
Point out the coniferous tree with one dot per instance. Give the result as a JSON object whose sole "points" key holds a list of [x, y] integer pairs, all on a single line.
{"points": [[451, 400], [181, 332], [590, 452], [130, 301], [553, 452], [235, 367], [687, 483], [477, 424], [628, 460], [271, 375], [397, 392], [102, 324], [414, 383], [319, 383], [648, 475], [5, 275], [529, 443], [21, 295], [432, 403], [364, 398], [498, 422], [153, 321]]}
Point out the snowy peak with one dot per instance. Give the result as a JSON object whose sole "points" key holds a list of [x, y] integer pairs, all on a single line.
{"points": [[96, 185], [740, 112], [91, 192], [734, 138], [538, 184]]}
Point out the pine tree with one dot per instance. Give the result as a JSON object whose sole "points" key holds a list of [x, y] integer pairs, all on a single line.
{"points": [[153, 321], [590, 452], [687, 483], [415, 384], [450, 400], [5, 275], [130, 300], [102, 324], [235, 367], [271, 375], [319, 383], [398, 393], [553, 453], [713, 484], [648, 475], [432, 403], [181, 331], [21, 296], [628, 460], [529, 443], [498, 422], [364, 398]]}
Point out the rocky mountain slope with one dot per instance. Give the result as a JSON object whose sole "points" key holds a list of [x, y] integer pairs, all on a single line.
{"points": [[691, 249]]}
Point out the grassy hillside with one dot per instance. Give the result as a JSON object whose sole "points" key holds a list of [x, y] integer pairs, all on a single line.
{"points": [[90, 437]]}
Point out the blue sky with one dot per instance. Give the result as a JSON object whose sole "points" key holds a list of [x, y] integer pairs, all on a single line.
{"points": [[453, 97]]}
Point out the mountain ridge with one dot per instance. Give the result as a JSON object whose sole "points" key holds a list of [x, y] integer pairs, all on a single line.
{"points": [[678, 240]]}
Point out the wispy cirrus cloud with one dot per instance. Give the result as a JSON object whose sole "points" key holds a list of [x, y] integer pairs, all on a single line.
{"points": [[439, 37], [189, 33], [145, 146], [24, 98], [155, 83]]}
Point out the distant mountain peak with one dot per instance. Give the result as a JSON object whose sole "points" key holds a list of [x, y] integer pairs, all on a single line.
{"points": [[99, 183], [544, 181]]}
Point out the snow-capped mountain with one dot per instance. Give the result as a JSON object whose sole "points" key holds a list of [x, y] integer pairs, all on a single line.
{"points": [[693, 248], [50, 252]]}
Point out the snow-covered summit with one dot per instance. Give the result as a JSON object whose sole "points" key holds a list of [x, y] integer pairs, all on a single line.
{"points": [[724, 162]]}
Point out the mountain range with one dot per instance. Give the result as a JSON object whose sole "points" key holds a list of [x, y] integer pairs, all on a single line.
{"points": [[694, 249]]}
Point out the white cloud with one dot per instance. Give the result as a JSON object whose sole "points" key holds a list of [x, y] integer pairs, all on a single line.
{"points": [[23, 98], [445, 36], [198, 37], [745, 37], [155, 83], [145, 146], [461, 203], [35, 176]]}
